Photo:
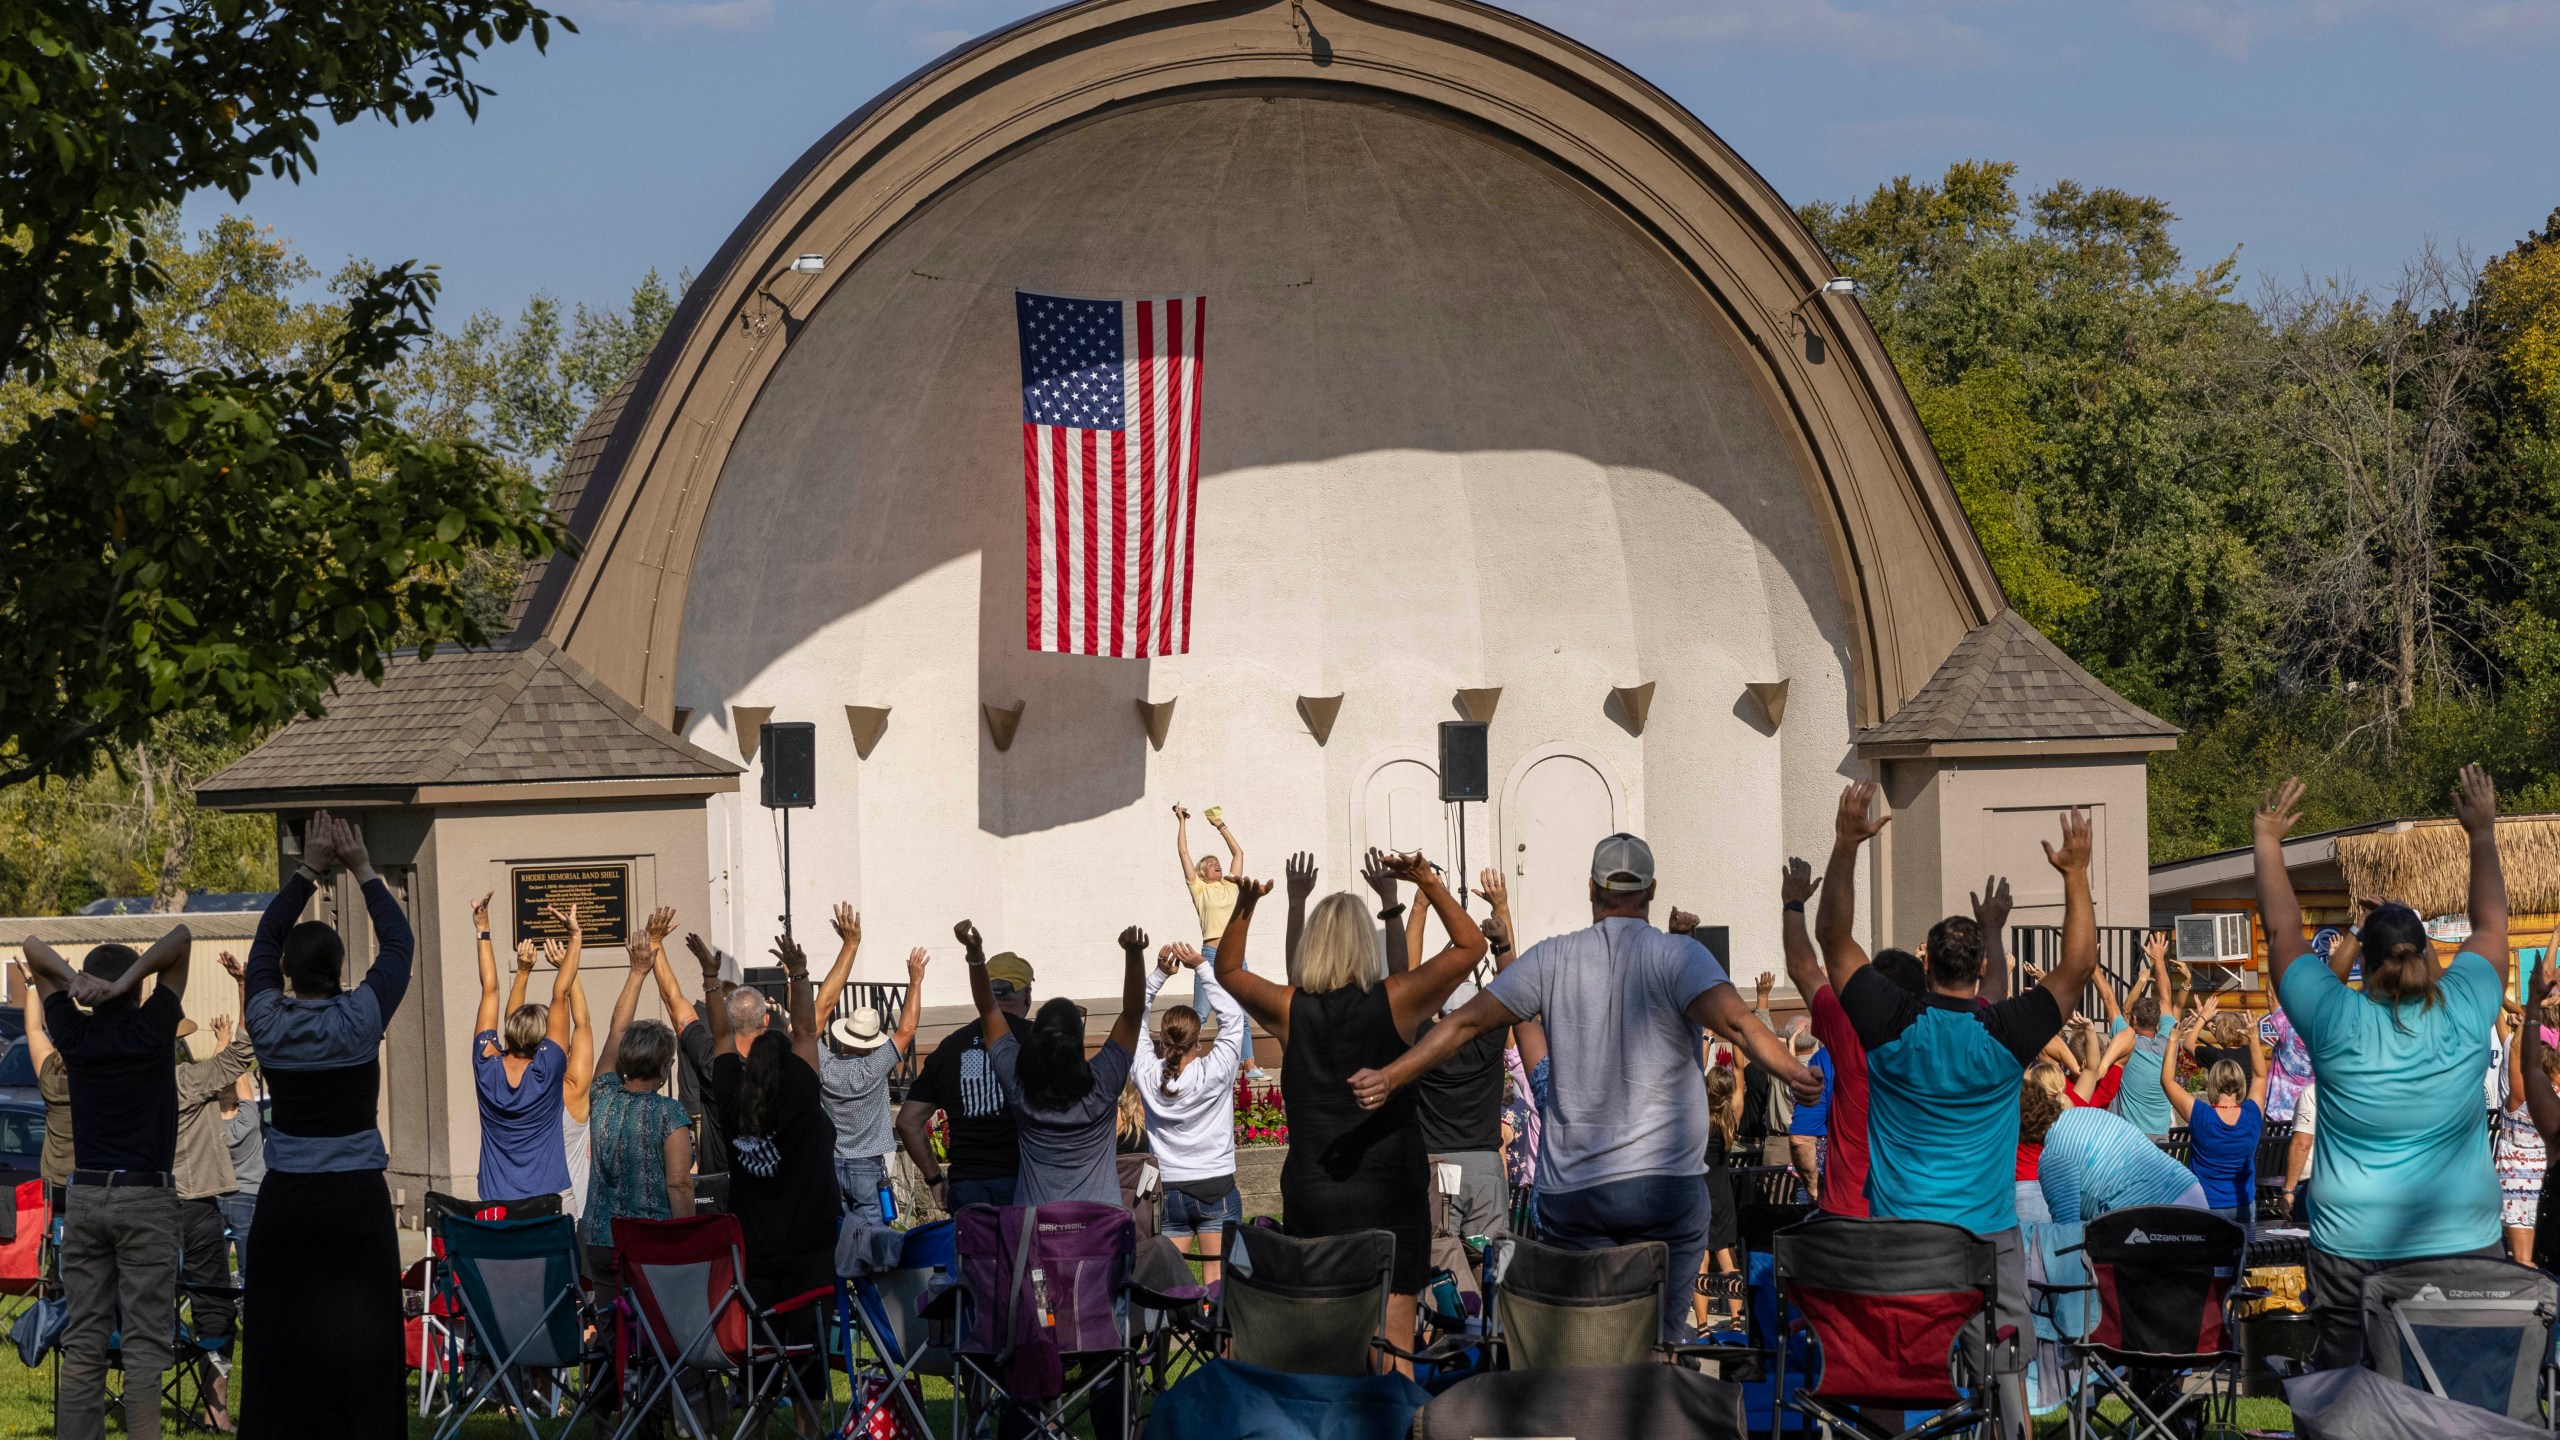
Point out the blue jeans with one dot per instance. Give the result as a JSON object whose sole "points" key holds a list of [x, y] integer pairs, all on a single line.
{"points": [[238, 1209], [965, 1193], [1670, 1208], [858, 1181], [1182, 1214]]}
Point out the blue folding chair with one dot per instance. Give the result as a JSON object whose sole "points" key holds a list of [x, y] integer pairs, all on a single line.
{"points": [[886, 1342], [518, 1283]]}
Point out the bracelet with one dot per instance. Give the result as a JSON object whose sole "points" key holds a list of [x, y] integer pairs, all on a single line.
{"points": [[1796, 906], [484, 934], [1501, 950], [1392, 911], [980, 961]]}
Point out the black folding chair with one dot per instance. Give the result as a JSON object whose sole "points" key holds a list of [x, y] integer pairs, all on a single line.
{"points": [[1308, 1305], [2468, 1329], [2167, 1338], [1553, 1309]]}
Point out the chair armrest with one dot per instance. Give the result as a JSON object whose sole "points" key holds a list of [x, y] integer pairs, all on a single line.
{"points": [[1187, 1297], [2058, 1289], [797, 1302]]}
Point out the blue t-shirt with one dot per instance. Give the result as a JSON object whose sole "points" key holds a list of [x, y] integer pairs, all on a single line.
{"points": [[2094, 1161], [2224, 1153], [2402, 1170], [2140, 1098], [1942, 1098], [521, 1151], [1815, 1120]]}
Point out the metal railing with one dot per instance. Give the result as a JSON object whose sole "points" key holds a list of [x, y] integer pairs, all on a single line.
{"points": [[887, 997], [2119, 957]]}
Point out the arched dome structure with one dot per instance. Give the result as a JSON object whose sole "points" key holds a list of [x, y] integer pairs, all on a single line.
{"points": [[1517, 380]]}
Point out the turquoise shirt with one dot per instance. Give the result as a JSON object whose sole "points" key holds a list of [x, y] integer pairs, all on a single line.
{"points": [[2140, 1100], [2401, 1169]]}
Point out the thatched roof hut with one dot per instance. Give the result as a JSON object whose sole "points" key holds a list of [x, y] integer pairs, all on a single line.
{"points": [[2426, 865]]}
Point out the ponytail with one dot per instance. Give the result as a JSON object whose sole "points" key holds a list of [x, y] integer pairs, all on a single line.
{"points": [[760, 1088], [1173, 1043]]}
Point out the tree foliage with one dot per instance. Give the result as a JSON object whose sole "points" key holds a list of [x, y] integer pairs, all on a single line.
{"points": [[190, 527], [2316, 528]]}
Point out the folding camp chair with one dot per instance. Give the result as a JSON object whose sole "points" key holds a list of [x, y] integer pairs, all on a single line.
{"points": [[518, 1282], [2469, 1329], [1889, 1301], [1306, 1305], [22, 1255], [685, 1282], [2167, 1338], [1555, 1308], [1044, 1289], [885, 1340], [443, 1349]]}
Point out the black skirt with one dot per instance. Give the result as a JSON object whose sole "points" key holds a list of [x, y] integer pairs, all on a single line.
{"points": [[321, 1350]]}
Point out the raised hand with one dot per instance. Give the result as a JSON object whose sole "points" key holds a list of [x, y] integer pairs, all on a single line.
{"points": [[1166, 961], [1797, 882], [2077, 841], [1412, 869], [2281, 811], [1765, 983], [555, 952], [1854, 825], [662, 921], [1381, 876], [917, 959], [480, 911], [230, 964], [967, 935], [787, 950], [222, 1031], [568, 917], [848, 924], [2155, 947], [1179, 813], [1991, 907], [1134, 940], [1301, 871], [703, 954], [1490, 885], [1681, 922], [2538, 985], [1249, 893], [2475, 801], [1495, 937], [526, 953], [347, 844]]}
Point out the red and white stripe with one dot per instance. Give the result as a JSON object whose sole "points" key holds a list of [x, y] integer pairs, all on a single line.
{"points": [[1109, 514]]}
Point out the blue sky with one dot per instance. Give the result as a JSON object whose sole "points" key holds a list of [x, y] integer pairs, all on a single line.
{"points": [[2316, 136]]}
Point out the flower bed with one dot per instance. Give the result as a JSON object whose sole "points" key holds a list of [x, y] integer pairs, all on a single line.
{"points": [[1262, 1118]]}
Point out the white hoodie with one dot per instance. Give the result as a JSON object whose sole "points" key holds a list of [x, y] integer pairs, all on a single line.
{"points": [[1193, 1129]]}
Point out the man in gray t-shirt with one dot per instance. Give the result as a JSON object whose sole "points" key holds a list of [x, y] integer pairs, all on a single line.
{"points": [[853, 1078], [1623, 1157]]}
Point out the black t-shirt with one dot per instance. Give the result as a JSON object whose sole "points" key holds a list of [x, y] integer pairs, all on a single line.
{"points": [[1461, 1097], [793, 1209], [1884, 1013], [693, 1086], [122, 1064], [959, 1079], [2238, 1055]]}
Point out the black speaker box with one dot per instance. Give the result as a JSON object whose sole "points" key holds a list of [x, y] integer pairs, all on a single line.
{"points": [[1462, 760], [789, 749]]}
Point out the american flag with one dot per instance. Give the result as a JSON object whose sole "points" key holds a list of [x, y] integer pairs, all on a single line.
{"points": [[1110, 471]]}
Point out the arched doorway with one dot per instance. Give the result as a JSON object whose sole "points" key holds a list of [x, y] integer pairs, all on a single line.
{"points": [[1559, 802], [1396, 805]]}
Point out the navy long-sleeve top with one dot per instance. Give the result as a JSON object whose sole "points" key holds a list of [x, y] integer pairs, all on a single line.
{"points": [[322, 1058]]}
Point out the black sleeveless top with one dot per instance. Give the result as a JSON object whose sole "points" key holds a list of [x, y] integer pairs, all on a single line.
{"points": [[1361, 1168]]}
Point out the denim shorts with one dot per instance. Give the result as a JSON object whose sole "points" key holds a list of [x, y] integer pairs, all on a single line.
{"points": [[1182, 1214]]}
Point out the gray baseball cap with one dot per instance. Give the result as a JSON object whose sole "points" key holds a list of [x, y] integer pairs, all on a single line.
{"points": [[1622, 862]]}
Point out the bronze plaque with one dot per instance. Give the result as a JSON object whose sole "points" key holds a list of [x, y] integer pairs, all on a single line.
{"points": [[602, 894]]}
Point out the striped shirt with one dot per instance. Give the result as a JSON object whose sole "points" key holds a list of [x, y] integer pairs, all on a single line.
{"points": [[2095, 1161]]}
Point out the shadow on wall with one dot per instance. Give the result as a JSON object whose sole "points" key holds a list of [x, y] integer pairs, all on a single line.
{"points": [[1079, 752]]}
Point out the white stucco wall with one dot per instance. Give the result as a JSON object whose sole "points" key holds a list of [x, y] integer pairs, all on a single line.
{"points": [[1464, 426]]}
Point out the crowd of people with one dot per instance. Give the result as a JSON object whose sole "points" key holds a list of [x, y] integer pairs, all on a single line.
{"points": [[1613, 1073]]}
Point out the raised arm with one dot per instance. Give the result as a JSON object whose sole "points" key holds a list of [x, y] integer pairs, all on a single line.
{"points": [[1226, 1053], [1382, 880], [526, 954], [1505, 946], [564, 981], [2278, 910], [2342, 955], [1133, 991], [1835, 922], [1182, 842], [2539, 1100], [2475, 801], [2110, 1006], [2069, 979], [797, 999], [1991, 917], [1418, 994], [982, 991], [2181, 1099], [1719, 1008], [1265, 1002], [1235, 851], [1301, 874], [487, 1017], [581, 1069], [2257, 1063], [714, 1013], [911, 1014], [848, 924], [47, 972], [644, 958], [1796, 886], [265, 974], [2155, 951], [2119, 1047], [1400, 958], [166, 958], [395, 944], [39, 1042]]}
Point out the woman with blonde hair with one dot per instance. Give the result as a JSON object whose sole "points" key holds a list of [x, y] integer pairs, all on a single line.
{"points": [[2041, 1101], [1724, 1224], [1350, 1168], [2223, 1127]]}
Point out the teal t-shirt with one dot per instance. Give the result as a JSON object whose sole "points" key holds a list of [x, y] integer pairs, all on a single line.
{"points": [[2140, 1100], [2401, 1169]]}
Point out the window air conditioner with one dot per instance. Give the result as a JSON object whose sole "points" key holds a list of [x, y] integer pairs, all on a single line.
{"points": [[2221, 938]]}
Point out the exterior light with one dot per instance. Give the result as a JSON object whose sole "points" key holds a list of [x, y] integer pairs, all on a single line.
{"points": [[812, 264]]}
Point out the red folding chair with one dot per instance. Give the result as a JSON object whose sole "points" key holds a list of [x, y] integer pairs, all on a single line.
{"points": [[1890, 1301], [686, 1287]]}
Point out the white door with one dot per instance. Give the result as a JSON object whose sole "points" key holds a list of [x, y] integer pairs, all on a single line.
{"points": [[1560, 808], [1400, 809]]}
